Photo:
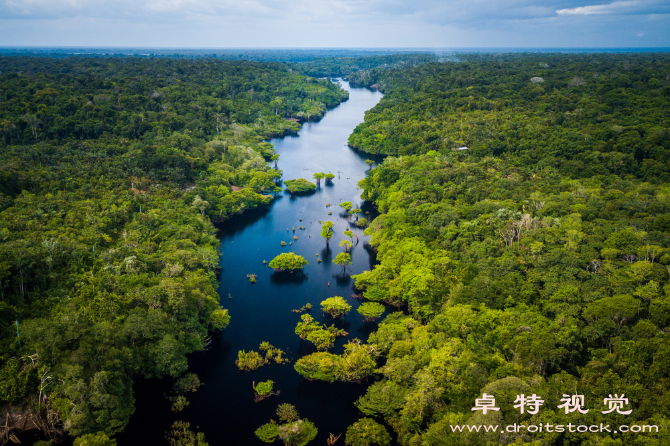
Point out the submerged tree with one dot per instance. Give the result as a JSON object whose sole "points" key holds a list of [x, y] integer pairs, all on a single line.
{"points": [[308, 325], [264, 390], [287, 412], [299, 185], [346, 244], [335, 306], [274, 158], [247, 362], [318, 176], [349, 233], [355, 212], [329, 177], [288, 261], [369, 163], [294, 432], [327, 231], [344, 259], [346, 205]]}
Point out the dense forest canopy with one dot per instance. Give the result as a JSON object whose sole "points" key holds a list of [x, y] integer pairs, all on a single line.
{"points": [[585, 114], [110, 170], [537, 261]]}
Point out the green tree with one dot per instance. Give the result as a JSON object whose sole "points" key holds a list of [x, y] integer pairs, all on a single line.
{"points": [[318, 176], [287, 413], [96, 439], [320, 366], [344, 259], [346, 205], [329, 177], [335, 306], [322, 339], [349, 233], [182, 435], [347, 244], [371, 310], [268, 432], [367, 432], [200, 204], [288, 261], [249, 361], [308, 325], [297, 433], [361, 222], [300, 185], [327, 231]]}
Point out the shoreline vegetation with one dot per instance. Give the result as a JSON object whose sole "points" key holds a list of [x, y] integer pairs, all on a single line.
{"points": [[112, 173]]}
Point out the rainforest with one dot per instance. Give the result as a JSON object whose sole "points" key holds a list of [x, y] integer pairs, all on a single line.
{"points": [[488, 225]]}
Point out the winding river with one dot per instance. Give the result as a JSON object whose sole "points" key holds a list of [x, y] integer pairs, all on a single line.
{"points": [[224, 408]]}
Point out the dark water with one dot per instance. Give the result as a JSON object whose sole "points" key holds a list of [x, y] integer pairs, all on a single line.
{"points": [[224, 408]]}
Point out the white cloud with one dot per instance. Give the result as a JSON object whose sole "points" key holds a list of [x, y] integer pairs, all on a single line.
{"points": [[614, 7]]}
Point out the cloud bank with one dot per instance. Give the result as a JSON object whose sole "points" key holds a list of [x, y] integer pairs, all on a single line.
{"points": [[333, 23]]}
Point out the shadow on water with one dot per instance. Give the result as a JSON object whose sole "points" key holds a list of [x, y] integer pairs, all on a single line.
{"points": [[342, 279], [224, 409], [284, 277]]}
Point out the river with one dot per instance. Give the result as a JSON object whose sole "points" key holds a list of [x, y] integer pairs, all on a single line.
{"points": [[224, 408]]}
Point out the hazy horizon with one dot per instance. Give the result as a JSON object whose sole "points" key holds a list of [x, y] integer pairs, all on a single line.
{"points": [[320, 24]]}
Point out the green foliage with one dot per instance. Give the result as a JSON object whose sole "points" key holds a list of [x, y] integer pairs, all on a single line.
{"points": [[322, 339], [108, 169], [267, 433], [96, 439], [347, 244], [320, 366], [300, 185], [308, 325], [264, 388], [335, 306], [356, 364], [367, 432], [327, 230], [362, 222], [371, 310], [187, 383], [247, 362], [539, 271], [179, 403], [329, 177], [297, 433], [288, 261], [287, 413], [344, 259], [346, 205], [182, 435]]}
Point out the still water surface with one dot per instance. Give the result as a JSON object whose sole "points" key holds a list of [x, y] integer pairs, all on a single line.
{"points": [[224, 408]]}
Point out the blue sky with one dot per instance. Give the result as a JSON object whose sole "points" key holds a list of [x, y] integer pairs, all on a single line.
{"points": [[335, 23]]}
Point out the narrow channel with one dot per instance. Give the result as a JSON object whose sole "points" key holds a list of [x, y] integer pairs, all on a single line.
{"points": [[224, 408]]}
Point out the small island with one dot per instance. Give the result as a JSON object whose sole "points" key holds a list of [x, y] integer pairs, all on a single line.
{"points": [[300, 185], [288, 261]]}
